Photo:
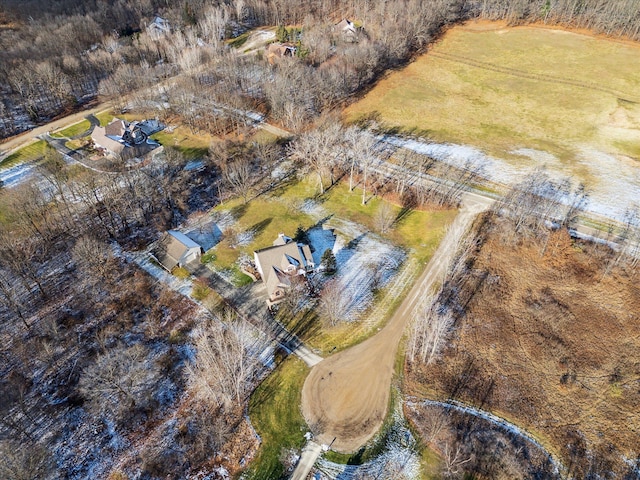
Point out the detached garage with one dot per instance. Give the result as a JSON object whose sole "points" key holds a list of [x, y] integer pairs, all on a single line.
{"points": [[176, 249]]}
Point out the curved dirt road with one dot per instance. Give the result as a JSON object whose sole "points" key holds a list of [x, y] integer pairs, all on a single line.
{"points": [[346, 396]]}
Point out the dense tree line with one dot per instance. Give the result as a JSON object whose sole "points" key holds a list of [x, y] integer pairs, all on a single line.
{"points": [[54, 56]]}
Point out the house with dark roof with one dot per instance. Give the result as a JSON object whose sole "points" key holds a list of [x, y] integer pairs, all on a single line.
{"points": [[124, 139], [282, 264], [278, 50], [175, 249]]}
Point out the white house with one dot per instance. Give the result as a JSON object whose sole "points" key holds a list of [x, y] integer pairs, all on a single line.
{"points": [[176, 249]]}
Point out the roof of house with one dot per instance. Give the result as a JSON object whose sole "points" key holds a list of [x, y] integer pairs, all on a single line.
{"points": [[172, 247], [116, 127], [159, 26], [182, 238], [101, 138], [346, 24], [281, 240], [281, 261]]}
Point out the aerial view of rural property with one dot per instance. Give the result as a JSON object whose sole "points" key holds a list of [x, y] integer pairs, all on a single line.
{"points": [[319, 239]]}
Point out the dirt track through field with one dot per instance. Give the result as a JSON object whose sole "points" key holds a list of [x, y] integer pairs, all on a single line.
{"points": [[346, 396]]}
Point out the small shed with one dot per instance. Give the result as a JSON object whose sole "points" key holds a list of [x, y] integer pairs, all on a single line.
{"points": [[176, 249]]}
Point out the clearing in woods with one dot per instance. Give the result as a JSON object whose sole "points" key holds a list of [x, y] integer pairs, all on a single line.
{"points": [[520, 93]]}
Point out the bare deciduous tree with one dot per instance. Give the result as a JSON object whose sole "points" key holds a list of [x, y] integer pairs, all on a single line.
{"points": [[227, 361], [384, 217], [119, 380], [24, 462], [454, 460], [429, 333], [333, 305]]}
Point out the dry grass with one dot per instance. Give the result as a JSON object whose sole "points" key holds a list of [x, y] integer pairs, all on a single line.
{"points": [[550, 343], [506, 88]]}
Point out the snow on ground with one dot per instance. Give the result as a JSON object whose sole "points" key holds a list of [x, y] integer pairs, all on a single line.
{"points": [[224, 220], [365, 261], [144, 261], [204, 231], [321, 239], [613, 183], [12, 176]]}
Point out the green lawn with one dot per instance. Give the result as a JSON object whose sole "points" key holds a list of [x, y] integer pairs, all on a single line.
{"points": [[104, 117], [266, 217], [274, 410], [73, 130], [417, 230], [30, 152], [239, 41], [503, 89], [191, 145]]}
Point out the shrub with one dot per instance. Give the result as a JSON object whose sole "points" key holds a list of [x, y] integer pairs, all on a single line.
{"points": [[181, 272]]}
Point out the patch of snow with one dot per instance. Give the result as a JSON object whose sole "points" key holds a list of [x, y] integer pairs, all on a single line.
{"points": [[224, 220], [613, 183], [282, 170], [12, 176], [616, 183], [542, 158], [321, 239], [244, 238], [398, 460], [194, 165]]}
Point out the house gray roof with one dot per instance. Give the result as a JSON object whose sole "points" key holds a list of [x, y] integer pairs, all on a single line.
{"points": [[280, 262], [183, 239], [100, 137], [171, 249]]}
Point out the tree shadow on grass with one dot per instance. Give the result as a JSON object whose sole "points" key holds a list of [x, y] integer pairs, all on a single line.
{"points": [[238, 211], [259, 227]]}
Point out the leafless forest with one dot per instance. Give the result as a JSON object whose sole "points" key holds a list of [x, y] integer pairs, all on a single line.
{"points": [[55, 57], [518, 328], [79, 320]]}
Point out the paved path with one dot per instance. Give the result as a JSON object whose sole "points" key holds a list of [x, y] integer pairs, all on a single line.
{"points": [[310, 454], [346, 396]]}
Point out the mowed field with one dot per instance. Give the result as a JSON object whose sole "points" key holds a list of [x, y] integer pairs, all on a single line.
{"points": [[511, 90]]}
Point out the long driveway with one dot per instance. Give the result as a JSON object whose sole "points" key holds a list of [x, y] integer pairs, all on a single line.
{"points": [[346, 396]]}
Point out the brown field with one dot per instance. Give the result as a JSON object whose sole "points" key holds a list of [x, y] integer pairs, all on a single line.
{"points": [[549, 342]]}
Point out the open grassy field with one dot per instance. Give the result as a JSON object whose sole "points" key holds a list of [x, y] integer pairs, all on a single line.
{"points": [[73, 130], [548, 341], [503, 89], [274, 410], [30, 152]]}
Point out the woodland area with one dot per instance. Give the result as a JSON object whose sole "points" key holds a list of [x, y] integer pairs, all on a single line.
{"points": [[56, 56], [538, 327]]}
